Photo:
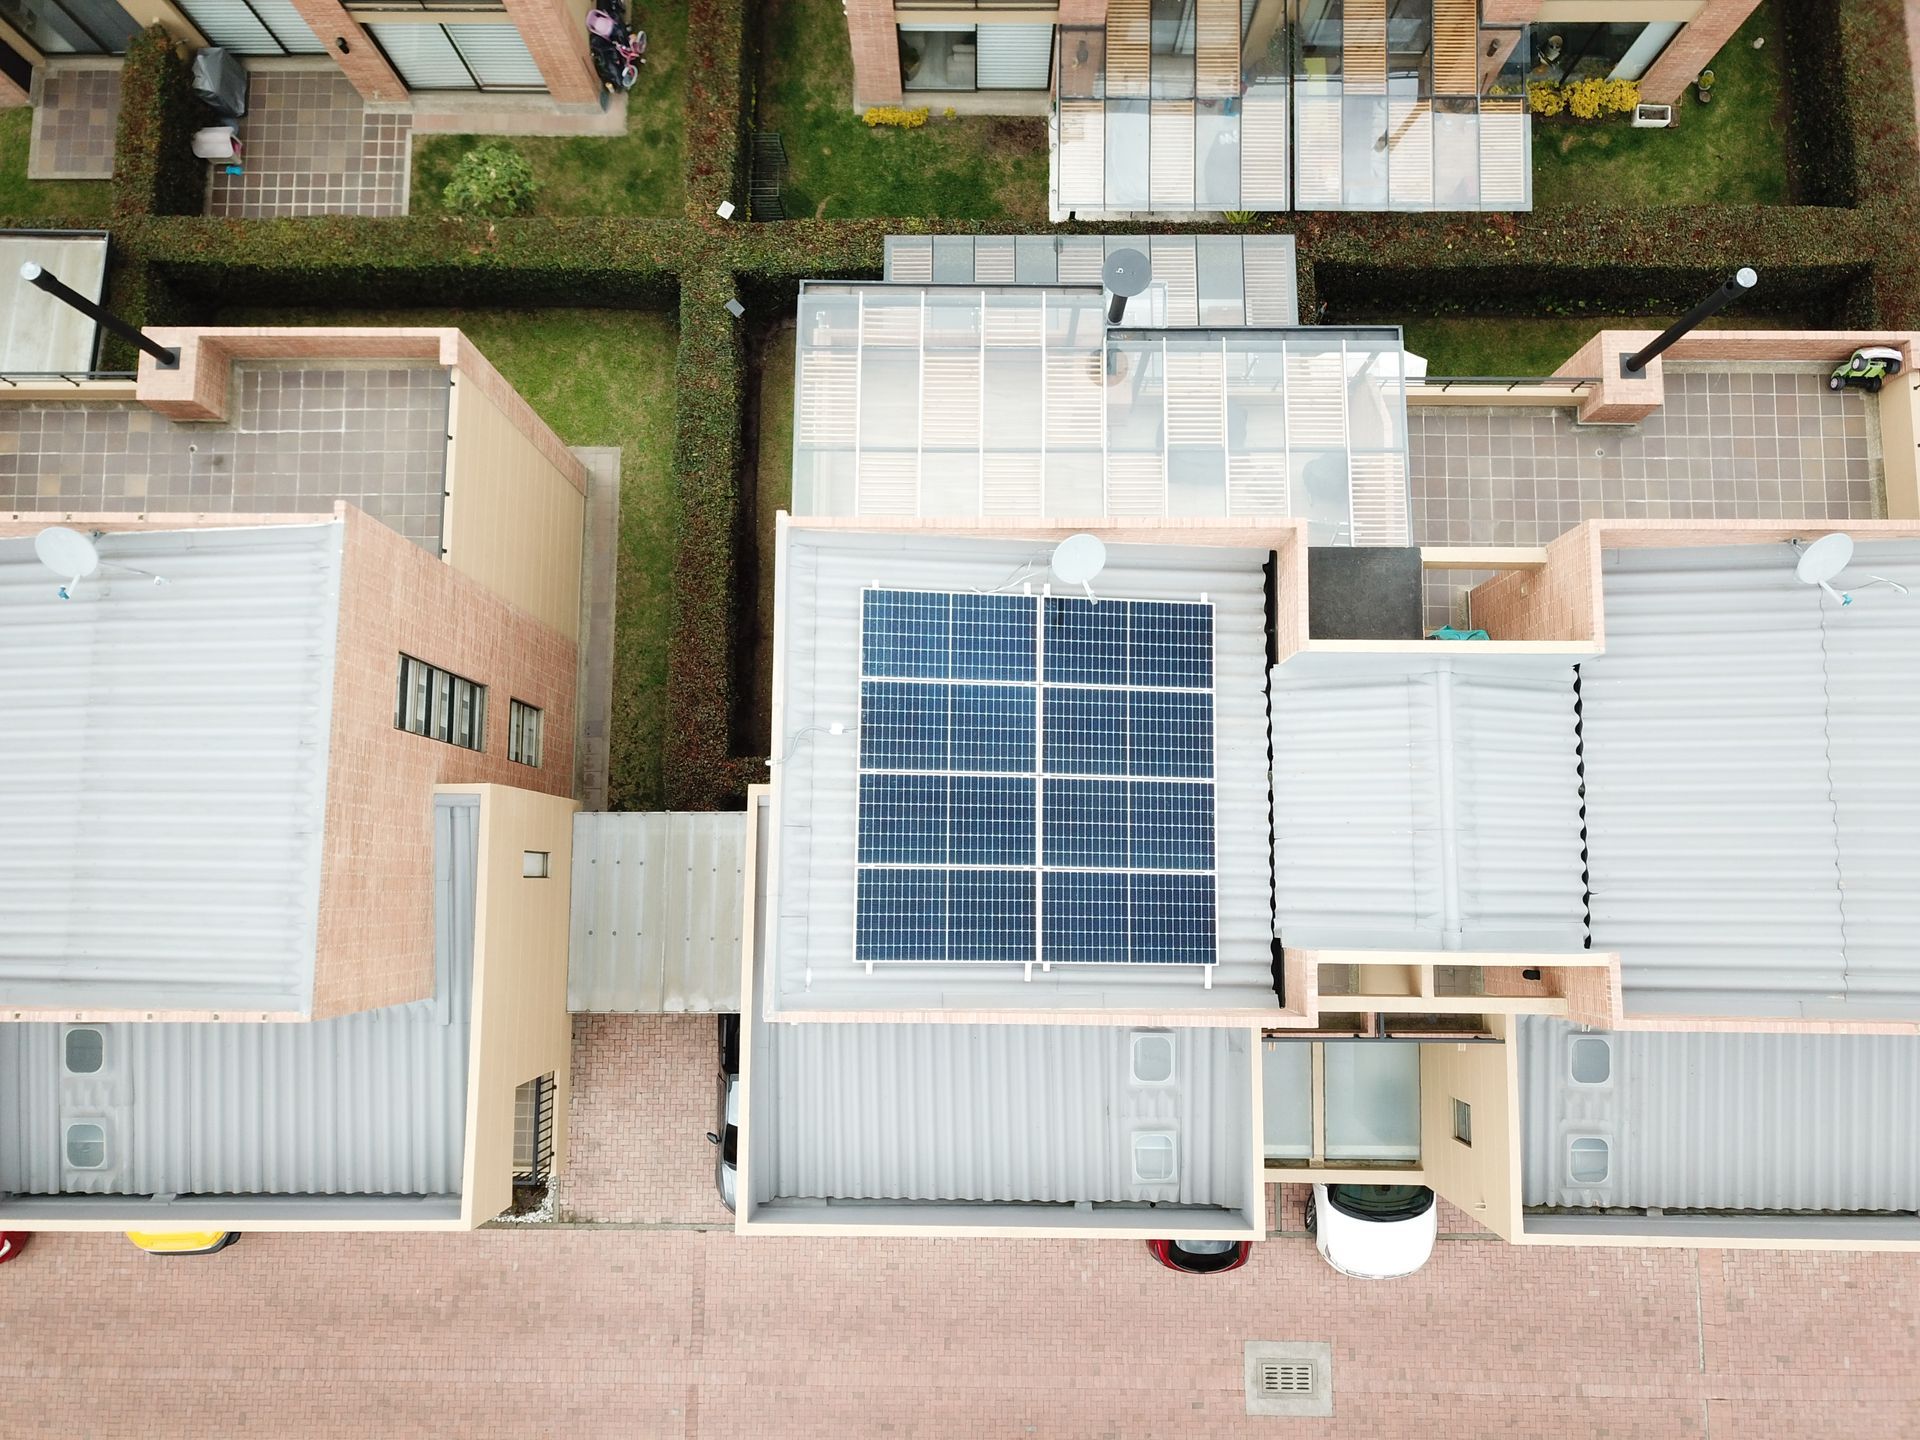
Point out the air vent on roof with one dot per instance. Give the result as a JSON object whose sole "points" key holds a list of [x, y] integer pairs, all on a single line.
{"points": [[1289, 1378]]}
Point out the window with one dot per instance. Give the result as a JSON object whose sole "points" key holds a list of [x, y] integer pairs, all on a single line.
{"points": [[536, 864], [523, 732], [254, 27], [1463, 1122], [533, 1131], [1591, 1060], [86, 1146], [1587, 1161], [440, 705], [86, 1052]]}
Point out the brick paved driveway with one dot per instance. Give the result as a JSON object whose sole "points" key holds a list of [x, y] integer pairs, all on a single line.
{"points": [[655, 1326]]}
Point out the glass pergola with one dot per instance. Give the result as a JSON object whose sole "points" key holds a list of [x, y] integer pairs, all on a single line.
{"points": [[952, 402], [1182, 105]]}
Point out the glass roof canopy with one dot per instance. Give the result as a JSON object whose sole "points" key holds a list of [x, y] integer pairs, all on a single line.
{"points": [[1013, 401], [1393, 106]]}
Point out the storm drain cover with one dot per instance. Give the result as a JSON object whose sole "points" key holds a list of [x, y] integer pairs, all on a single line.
{"points": [[1289, 1377]]}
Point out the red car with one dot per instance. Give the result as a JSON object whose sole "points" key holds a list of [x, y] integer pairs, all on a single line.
{"points": [[1201, 1257], [12, 1242]]}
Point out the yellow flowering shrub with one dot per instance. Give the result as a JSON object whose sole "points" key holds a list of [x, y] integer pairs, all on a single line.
{"points": [[1544, 99], [896, 116]]}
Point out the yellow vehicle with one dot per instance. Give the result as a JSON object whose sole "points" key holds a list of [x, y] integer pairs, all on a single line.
{"points": [[182, 1242]]}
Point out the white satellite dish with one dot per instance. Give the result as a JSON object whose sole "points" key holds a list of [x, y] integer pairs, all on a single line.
{"points": [[67, 553], [1821, 561], [74, 557], [1077, 560]]}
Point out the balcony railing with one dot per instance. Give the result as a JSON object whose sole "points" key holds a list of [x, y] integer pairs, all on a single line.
{"points": [[14, 379], [1502, 382]]}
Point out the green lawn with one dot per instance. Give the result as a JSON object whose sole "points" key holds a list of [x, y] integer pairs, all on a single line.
{"points": [[25, 199], [1732, 151], [636, 174], [968, 168], [598, 377], [1504, 345]]}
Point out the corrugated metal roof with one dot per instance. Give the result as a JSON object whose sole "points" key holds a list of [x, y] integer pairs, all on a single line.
{"points": [[1211, 280], [1005, 1113], [657, 904], [1721, 1121], [1427, 802], [367, 1104], [812, 965], [161, 813], [1753, 786]]}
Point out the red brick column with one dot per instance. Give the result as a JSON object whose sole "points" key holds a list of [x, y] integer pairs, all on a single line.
{"points": [[364, 66], [557, 39], [1509, 12], [12, 97], [1693, 49], [1083, 12], [876, 52]]}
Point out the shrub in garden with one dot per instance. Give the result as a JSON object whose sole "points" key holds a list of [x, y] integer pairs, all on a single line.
{"points": [[895, 116], [1545, 99], [492, 180]]}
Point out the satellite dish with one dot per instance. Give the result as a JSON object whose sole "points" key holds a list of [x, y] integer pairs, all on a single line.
{"points": [[1822, 560], [67, 553], [74, 557], [1077, 559]]}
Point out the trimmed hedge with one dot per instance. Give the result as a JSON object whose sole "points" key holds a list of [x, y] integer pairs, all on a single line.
{"points": [[155, 171], [1847, 260]]}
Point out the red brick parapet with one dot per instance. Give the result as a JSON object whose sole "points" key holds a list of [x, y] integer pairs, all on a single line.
{"points": [[875, 38]]}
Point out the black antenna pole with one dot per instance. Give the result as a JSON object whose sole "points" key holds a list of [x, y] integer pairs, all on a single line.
{"points": [[1633, 366], [46, 280]]}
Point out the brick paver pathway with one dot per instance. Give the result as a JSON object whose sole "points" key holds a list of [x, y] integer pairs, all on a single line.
{"points": [[638, 1333]]}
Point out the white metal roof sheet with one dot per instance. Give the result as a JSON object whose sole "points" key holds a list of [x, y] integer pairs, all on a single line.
{"points": [[816, 773], [1007, 1113], [1719, 1121], [372, 1103], [657, 906], [161, 816], [1753, 793], [1427, 802]]}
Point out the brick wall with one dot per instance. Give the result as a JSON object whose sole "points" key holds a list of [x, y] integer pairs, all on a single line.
{"points": [[376, 896], [876, 52], [365, 68], [1693, 49], [1509, 12], [12, 97], [556, 37], [1559, 601], [1083, 12]]}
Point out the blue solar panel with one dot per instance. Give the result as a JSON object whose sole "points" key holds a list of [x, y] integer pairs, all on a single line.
{"points": [[901, 915], [1086, 644], [1084, 732], [993, 637], [1084, 824], [903, 819], [989, 820], [1171, 919], [1083, 917], [1169, 644], [903, 726], [1170, 732], [990, 915], [1169, 825], [905, 633], [992, 728], [1104, 840]]}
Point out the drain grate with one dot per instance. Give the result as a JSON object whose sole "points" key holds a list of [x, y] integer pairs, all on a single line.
{"points": [[1289, 1377], [1286, 1377]]}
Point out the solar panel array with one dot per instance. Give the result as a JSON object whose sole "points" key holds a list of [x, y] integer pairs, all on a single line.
{"points": [[1036, 780]]}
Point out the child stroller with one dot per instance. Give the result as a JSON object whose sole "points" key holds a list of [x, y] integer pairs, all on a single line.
{"points": [[618, 53]]}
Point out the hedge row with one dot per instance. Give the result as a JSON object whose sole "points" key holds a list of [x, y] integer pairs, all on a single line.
{"points": [[1847, 259]]}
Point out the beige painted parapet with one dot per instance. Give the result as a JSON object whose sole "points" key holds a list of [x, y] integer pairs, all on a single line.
{"points": [[1900, 444], [1479, 1176], [58, 392], [521, 1028]]}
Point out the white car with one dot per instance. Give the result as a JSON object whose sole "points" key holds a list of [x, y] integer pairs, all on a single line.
{"points": [[726, 1140], [1373, 1232]]}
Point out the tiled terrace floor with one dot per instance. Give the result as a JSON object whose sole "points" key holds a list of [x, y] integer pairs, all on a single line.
{"points": [[300, 437], [584, 1333], [76, 110], [311, 147], [1729, 444]]}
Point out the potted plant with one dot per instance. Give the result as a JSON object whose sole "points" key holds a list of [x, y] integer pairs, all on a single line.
{"points": [[1703, 87]]}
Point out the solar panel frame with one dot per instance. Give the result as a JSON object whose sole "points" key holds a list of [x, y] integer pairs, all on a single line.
{"points": [[1043, 770]]}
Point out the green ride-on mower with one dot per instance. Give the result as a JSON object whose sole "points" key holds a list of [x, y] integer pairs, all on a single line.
{"points": [[1867, 368]]}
